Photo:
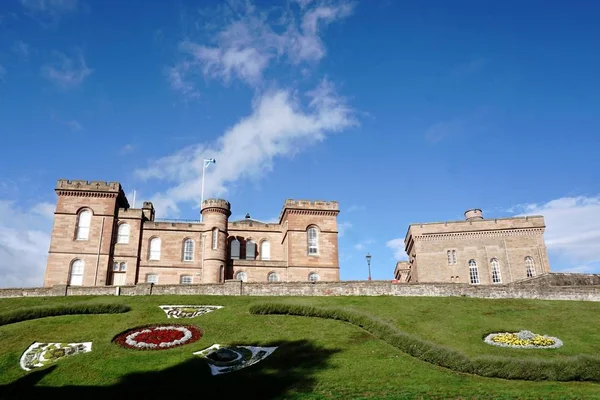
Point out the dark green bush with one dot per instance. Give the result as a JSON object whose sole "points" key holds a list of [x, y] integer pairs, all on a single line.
{"points": [[578, 368], [11, 317]]}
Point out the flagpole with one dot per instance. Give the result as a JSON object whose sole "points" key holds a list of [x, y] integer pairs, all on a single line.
{"points": [[207, 162]]}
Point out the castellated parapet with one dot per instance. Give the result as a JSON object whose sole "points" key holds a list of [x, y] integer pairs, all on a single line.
{"points": [[92, 186], [215, 204]]}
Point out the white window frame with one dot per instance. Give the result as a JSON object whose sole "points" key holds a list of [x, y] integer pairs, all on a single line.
{"points": [[313, 277], [265, 250], [496, 275], [184, 279], [115, 266], [188, 249], [154, 280], [273, 277], [312, 242], [473, 272], [84, 221], [451, 256], [241, 276], [76, 272], [123, 267], [154, 251], [123, 233], [215, 238], [529, 267]]}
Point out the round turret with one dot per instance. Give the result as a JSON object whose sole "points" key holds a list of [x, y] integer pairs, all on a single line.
{"points": [[215, 214], [473, 214]]}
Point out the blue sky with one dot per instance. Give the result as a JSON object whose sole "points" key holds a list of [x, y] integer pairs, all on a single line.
{"points": [[403, 111]]}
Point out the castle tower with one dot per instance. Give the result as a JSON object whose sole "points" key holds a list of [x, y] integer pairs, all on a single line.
{"points": [[473, 214], [83, 232], [215, 214]]}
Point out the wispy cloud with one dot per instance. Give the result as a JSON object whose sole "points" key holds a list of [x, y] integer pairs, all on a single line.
{"points": [[49, 12], [397, 246], [362, 245], [343, 227], [456, 127], [24, 242], [246, 44], [469, 67], [67, 72], [21, 48], [73, 125], [355, 207], [572, 231], [279, 125], [128, 148]]}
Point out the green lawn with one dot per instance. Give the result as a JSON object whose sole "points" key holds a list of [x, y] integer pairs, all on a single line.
{"points": [[317, 358]]}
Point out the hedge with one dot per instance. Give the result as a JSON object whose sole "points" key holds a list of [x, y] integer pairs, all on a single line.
{"points": [[573, 368], [26, 314]]}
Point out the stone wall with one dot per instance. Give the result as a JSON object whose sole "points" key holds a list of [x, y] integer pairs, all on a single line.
{"points": [[522, 290]]}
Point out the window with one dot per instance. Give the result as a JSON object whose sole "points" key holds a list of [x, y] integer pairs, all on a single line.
{"points": [[235, 249], [186, 280], [221, 274], [123, 267], [76, 278], [496, 278], [123, 234], [152, 278], [241, 276], [451, 257], [250, 250], [83, 225], [313, 241], [188, 250], [530, 267], [215, 238], [473, 272], [154, 249], [273, 277], [116, 267], [313, 277], [265, 250]]}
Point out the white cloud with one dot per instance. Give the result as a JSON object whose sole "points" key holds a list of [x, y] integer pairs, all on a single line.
{"points": [[279, 125], [572, 231], [247, 44], [66, 72], [49, 12], [21, 48], [343, 227], [24, 243], [73, 125], [355, 207], [397, 246], [362, 245], [128, 148]]}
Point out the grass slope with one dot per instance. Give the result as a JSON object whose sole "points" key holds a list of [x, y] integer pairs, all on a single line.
{"points": [[317, 358]]}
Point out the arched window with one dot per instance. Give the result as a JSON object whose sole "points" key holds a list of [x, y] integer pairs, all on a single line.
{"points": [[186, 280], [265, 250], [241, 276], [250, 250], [76, 276], [313, 277], [313, 241], [83, 225], [116, 267], [152, 278], [154, 249], [188, 250], [235, 249], [123, 267], [123, 234], [496, 277], [273, 277], [530, 267], [473, 272], [215, 238]]}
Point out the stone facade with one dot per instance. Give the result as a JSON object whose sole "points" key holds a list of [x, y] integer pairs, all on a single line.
{"points": [[98, 240], [475, 251]]}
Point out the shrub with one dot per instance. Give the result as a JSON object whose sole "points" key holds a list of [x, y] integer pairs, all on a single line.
{"points": [[26, 314], [578, 368]]}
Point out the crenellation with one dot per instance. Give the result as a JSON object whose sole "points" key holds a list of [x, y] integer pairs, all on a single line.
{"points": [[102, 186]]}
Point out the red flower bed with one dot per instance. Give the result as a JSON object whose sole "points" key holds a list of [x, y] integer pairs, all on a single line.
{"points": [[158, 337]]}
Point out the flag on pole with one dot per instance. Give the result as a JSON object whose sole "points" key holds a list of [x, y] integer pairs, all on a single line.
{"points": [[209, 161]]}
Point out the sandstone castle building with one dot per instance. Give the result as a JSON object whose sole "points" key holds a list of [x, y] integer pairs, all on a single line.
{"points": [[475, 251], [98, 239]]}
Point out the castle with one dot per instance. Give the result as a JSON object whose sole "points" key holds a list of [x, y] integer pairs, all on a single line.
{"points": [[474, 251], [98, 240]]}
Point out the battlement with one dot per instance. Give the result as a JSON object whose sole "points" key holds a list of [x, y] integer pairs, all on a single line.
{"points": [[315, 205], [89, 186], [220, 203]]}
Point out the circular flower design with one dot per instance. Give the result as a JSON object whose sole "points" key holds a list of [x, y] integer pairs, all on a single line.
{"points": [[523, 340], [158, 337]]}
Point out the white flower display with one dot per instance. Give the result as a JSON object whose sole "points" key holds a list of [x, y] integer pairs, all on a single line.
{"points": [[523, 340], [40, 354], [188, 311], [223, 359]]}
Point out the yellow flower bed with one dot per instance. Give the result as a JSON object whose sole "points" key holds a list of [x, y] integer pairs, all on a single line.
{"points": [[512, 340]]}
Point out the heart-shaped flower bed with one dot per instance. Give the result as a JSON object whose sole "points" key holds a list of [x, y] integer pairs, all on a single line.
{"points": [[158, 337]]}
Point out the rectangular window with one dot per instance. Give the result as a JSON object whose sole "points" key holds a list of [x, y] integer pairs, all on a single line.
{"points": [[451, 254], [474, 275], [313, 242], [186, 279], [215, 238], [152, 278]]}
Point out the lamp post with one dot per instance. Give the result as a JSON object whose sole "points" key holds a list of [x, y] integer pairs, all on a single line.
{"points": [[207, 162], [368, 257]]}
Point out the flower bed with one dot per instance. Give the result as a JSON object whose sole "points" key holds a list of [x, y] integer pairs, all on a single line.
{"points": [[189, 311], [41, 354], [523, 340], [158, 337], [223, 359]]}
